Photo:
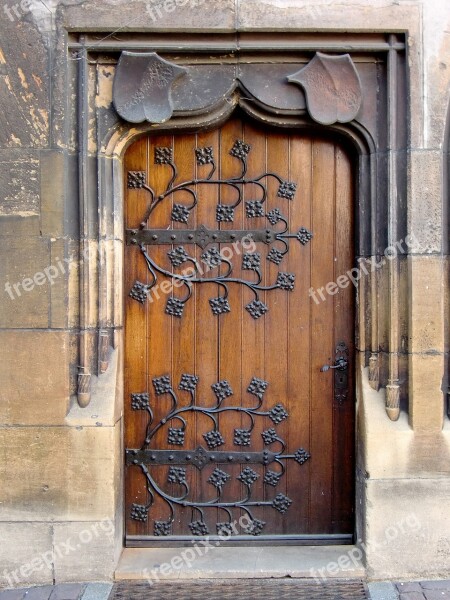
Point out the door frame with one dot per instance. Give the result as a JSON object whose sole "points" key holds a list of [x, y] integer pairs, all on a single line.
{"points": [[379, 200]]}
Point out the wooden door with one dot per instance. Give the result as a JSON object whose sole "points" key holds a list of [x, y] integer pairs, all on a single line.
{"points": [[232, 429]]}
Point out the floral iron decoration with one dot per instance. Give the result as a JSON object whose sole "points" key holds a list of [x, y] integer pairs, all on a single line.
{"points": [[272, 458], [212, 258]]}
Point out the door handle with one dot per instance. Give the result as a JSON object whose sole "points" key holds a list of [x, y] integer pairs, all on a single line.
{"points": [[341, 364]]}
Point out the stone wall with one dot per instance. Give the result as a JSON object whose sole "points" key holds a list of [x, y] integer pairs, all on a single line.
{"points": [[61, 465]]}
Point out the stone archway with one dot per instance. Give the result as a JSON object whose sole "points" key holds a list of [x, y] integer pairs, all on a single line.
{"points": [[378, 220]]}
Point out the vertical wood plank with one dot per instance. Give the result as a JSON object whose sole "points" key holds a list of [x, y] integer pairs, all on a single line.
{"points": [[230, 324], [207, 324], [183, 330], [299, 342], [322, 337], [344, 321], [277, 319], [135, 371], [253, 339], [159, 325]]}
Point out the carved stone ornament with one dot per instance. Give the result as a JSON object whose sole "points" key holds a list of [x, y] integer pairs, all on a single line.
{"points": [[150, 88], [142, 87], [332, 88]]}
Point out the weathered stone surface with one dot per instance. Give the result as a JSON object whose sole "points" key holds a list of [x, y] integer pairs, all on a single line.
{"points": [[97, 591], [408, 533], [425, 198], [436, 51], [382, 590], [24, 118], [446, 267], [93, 551], [25, 554], [13, 595], [67, 591], [184, 15], [111, 252], [106, 405], [39, 283], [63, 591], [58, 473], [437, 594], [328, 15], [19, 182], [403, 538], [413, 586], [303, 15], [426, 406], [403, 454], [244, 563], [34, 371], [412, 596], [441, 584], [59, 299], [59, 194], [426, 295], [64, 297], [13, 226], [24, 283], [39, 593]]}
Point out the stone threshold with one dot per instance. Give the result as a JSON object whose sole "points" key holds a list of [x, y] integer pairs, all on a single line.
{"points": [[320, 562]]}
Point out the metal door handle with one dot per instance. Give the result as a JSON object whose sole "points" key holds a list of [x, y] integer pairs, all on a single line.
{"points": [[341, 364]]}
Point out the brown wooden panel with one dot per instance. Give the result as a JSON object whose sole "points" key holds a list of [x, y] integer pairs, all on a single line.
{"points": [[343, 421], [253, 331], [230, 327], [207, 325], [135, 371], [286, 347], [183, 331], [323, 271], [299, 338], [277, 323]]}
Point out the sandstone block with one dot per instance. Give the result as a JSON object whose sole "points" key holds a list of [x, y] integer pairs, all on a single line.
{"points": [[426, 399], [59, 473], [34, 370], [26, 556]]}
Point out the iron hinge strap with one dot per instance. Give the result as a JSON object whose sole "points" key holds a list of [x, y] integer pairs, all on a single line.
{"points": [[199, 457], [202, 236]]}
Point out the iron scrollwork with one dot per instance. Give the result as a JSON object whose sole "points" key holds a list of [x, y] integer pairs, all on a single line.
{"points": [[212, 258], [180, 459]]}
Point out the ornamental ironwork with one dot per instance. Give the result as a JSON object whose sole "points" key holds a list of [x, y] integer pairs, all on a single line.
{"points": [[213, 259], [271, 458], [242, 437]]}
